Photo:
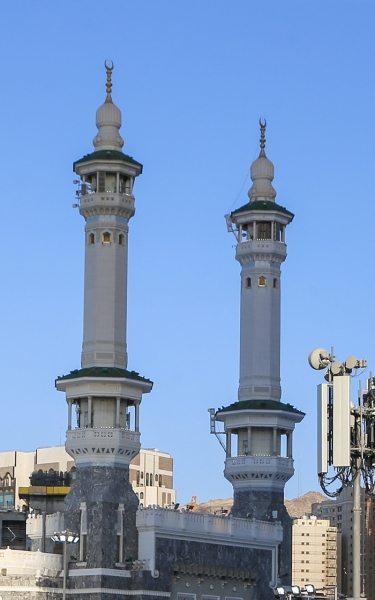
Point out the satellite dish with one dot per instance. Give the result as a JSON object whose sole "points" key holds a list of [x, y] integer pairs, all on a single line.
{"points": [[351, 362], [318, 359], [336, 368]]}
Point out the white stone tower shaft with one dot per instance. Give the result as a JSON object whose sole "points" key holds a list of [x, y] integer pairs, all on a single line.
{"points": [[107, 211], [260, 254]]}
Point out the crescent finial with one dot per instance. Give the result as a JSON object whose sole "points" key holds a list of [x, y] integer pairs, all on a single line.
{"points": [[109, 66], [263, 125]]}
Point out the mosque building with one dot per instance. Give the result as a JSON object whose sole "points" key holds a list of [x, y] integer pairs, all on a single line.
{"points": [[151, 552]]}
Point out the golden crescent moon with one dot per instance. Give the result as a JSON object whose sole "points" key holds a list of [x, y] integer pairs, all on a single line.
{"points": [[261, 122], [107, 65]]}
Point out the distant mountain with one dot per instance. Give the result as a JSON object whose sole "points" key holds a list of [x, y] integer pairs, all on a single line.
{"points": [[296, 508], [302, 505]]}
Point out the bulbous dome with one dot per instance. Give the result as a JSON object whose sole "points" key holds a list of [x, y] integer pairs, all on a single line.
{"points": [[108, 122], [262, 167], [108, 114]]}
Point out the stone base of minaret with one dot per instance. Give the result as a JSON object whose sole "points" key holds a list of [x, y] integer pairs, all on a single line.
{"points": [[92, 510], [268, 505]]}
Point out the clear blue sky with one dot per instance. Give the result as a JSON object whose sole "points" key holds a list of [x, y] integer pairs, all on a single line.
{"points": [[192, 79]]}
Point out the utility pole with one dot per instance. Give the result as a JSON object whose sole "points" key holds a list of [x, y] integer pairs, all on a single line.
{"points": [[346, 439]]}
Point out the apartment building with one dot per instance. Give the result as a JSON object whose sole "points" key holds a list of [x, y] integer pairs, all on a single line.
{"points": [[340, 514], [314, 553]]}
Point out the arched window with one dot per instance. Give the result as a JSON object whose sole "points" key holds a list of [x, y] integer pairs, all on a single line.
{"points": [[91, 239], [137, 477], [248, 283], [160, 480], [150, 478], [141, 495], [121, 239], [141, 505], [106, 238], [141, 474], [262, 281], [156, 477], [275, 283], [147, 479]]}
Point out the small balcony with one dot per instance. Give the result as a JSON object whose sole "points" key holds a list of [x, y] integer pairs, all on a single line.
{"points": [[102, 445], [259, 471]]}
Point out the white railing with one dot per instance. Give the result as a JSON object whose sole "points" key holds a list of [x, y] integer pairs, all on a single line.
{"points": [[156, 522], [209, 526], [22, 562]]}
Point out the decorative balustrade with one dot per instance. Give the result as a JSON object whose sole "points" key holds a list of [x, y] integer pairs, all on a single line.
{"points": [[22, 562], [208, 527]]}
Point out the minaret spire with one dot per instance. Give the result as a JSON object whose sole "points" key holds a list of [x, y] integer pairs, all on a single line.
{"points": [[263, 125], [109, 68]]}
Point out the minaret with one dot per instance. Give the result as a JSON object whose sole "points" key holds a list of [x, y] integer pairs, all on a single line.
{"points": [[260, 461], [101, 506]]}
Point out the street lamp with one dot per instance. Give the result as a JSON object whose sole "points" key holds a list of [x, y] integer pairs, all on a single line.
{"points": [[296, 591], [65, 537], [310, 589]]}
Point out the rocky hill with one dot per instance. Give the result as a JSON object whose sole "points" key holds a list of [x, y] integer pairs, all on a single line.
{"points": [[296, 508], [302, 504]]}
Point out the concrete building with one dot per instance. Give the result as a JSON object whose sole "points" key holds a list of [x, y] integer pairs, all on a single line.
{"points": [[340, 514], [17, 467], [259, 458], [151, 475], [36, 478], [314, 552]]}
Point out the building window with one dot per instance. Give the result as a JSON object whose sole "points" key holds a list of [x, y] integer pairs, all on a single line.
{"points": [[147, 479], [106, 238], [262, 281], [160, 480], [141, 474], [150, 478], [275, 283], [156, 478], [91, 239], [121, 239], [248, 283], [141, 495]]}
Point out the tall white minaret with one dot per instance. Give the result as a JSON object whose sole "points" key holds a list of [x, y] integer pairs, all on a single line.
{"points": [[259, 427], [260, 250], [107, 203], [106, 396]]}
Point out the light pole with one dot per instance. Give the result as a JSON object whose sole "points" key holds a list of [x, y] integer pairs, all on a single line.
{"points": [[65, 537]]}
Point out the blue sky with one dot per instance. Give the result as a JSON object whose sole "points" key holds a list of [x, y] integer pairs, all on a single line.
{"points": [[192, 79]]}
